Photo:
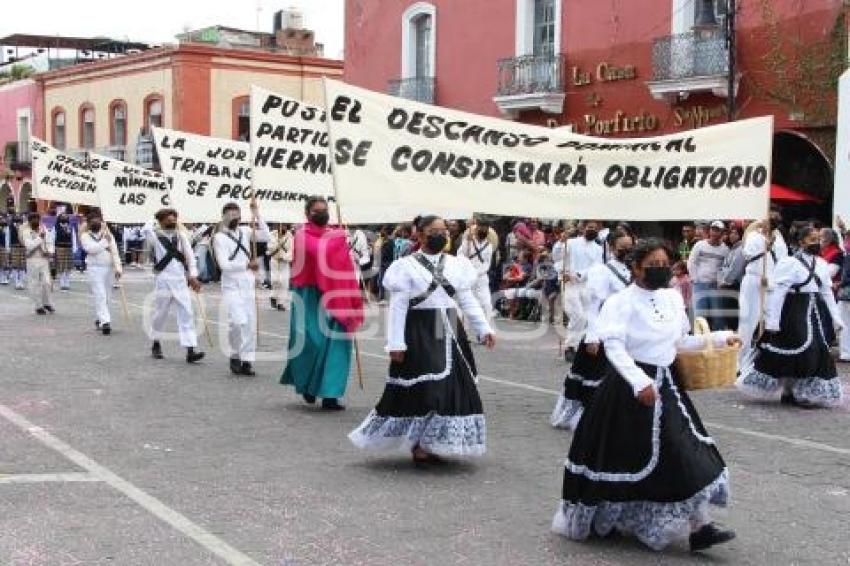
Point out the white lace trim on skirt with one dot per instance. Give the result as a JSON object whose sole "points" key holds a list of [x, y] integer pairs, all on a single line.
{"points": [[661, 375], [442, 435], [812, 390], [567, 413], [654, 524]]}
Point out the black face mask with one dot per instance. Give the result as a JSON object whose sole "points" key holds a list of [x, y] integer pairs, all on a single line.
{"points": [[482, 234], [320, 218], [95, 226], [591, 235], [657, 277], [436, 242], [233, 224], [621, 255], [774, 223], [813, 249], [169, 227]]}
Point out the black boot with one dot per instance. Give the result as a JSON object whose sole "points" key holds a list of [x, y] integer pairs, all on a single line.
{"points": [[235, 366], [192, 356], [106, 329], [708, 536], [97, 324], [247, 370], [49, 308], [309, 399], [332, 405], [273, 301], [156, 350], [40, 311]]}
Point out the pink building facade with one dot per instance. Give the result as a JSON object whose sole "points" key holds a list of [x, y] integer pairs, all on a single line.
{"points": [[21, 118]]}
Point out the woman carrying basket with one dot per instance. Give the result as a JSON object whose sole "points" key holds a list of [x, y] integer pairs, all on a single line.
{"points": [[641, 461], [800, 318]]}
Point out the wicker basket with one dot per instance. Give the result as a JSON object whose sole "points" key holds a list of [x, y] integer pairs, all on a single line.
{"points": [[710, 368]]}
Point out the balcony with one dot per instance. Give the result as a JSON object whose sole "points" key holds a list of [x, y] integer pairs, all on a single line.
{"points": [[18, 155], [117, 152], [420, 89], [531, 82], [146, 152], [688, 63]]}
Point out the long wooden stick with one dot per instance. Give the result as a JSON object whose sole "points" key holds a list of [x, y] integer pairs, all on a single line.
{"points": [[353, 334], [202, 310], [254, 226], [768, 244], [124, 303], [332, 145]]}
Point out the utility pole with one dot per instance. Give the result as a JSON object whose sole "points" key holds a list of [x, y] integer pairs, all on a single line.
{"points": [[731, 15]]}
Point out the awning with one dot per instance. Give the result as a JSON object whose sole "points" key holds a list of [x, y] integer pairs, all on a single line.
{"points": [[778, 193]]}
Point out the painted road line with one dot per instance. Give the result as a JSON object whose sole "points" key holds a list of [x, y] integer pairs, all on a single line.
{"points": [[151, 504], [49, 478], [798, 442]]}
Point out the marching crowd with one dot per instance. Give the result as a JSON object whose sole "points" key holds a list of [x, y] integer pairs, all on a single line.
{"points": [[640, 462]]}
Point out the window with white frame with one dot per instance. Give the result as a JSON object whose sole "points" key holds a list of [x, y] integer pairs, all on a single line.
{"points": [[59, 130], [418, 43], [119, 125], [87, 128], [153, 114], [544, 27], [243, 121], [538, 27]]}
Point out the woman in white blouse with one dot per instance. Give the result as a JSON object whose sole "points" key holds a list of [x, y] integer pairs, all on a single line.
{"points": [[800, 322], [430, 406], [590, 363], [641, 461]]}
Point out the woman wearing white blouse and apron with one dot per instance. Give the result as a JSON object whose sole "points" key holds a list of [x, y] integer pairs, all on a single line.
{"points": [[589, 364], [800, 321], [641, 461], [430, 406]]}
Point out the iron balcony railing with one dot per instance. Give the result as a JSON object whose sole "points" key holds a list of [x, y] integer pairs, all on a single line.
{"points": [[21, 157], [118, 152], [146, 152], [531, 74], [420, 89], [689, 55]]}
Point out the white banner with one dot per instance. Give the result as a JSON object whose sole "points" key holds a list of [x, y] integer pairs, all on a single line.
{"points": [[128, 194], [841, 192], [391, 150], [59, 177], [289, 153], [206, 173]]}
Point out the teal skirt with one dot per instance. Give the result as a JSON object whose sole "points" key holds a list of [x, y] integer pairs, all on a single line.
{"points": [[319, 352]]}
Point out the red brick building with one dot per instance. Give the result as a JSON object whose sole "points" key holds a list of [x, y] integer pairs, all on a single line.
{"points": [[617, 68]]}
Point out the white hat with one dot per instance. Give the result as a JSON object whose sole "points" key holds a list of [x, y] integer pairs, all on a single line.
{"points": [[718, 224]]}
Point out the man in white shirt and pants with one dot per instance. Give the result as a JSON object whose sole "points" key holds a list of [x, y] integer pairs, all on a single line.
{"points": [[176, 272], [38, 248], [761, 261], [361, 255], [582, 253], [103, 267], [704, 263], [280, 252], [233, 253], [477, 247]]}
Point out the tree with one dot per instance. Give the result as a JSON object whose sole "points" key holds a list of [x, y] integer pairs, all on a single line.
{"points": [[16, 72]]}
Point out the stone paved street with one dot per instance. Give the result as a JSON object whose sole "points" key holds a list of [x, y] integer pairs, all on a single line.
{"points": [[110, 457]]}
